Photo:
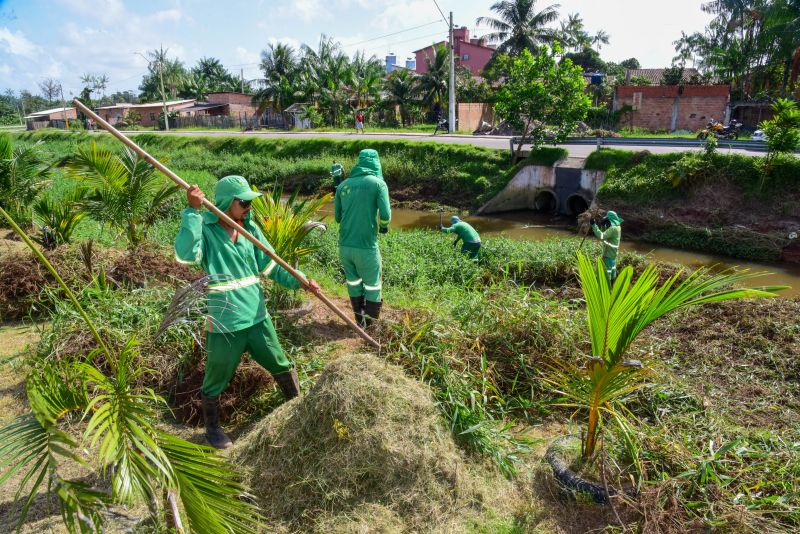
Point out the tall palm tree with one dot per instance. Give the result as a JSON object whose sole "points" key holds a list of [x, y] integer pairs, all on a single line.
{"points": [[401, 88], [433, 82], [171, 70], [600, 38], [519, 26], [279, 65]]}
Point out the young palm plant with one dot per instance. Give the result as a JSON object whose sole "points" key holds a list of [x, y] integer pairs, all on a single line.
{"points": [[141, 463], [616, 316], [23, 174], [123, 191], [57, 219], [287, 223]]}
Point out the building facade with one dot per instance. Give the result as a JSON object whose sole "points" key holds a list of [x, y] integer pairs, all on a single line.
{"points": [[473, 53]]}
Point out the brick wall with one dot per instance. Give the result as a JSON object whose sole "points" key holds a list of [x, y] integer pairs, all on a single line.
{"points": [[654, 106], [238, 103]]}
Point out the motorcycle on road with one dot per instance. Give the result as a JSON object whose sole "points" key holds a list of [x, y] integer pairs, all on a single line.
{"points": [[731, 131]]}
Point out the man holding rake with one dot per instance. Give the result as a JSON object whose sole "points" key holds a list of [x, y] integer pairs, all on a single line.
{"points": [[237, 316]]}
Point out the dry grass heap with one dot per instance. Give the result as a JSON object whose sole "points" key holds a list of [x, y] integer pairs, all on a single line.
{"points": [[366, 438]]}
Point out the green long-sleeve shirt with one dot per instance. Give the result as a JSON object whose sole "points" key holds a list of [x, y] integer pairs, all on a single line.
{"points": [[337, 171], [610, 238], [464, 231], [236, 299], [361, 204]]}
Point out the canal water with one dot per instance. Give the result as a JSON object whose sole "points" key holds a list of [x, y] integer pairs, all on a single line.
{"points": [[533, 226]]}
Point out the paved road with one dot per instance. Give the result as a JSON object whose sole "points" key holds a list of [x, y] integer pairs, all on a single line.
{"points": [[499, 142]]}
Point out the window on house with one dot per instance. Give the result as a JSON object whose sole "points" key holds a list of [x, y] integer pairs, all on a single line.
{"points": [[152, 116], [465, 57]]}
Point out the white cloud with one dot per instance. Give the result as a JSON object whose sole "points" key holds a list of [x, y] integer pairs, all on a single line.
{"points": [[106, 11], [168, 15], [5, 69], [243, 55], [17, 44], [305, 10]]}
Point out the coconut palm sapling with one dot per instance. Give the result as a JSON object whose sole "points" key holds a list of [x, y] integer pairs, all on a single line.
{"points": [[616, 315]]}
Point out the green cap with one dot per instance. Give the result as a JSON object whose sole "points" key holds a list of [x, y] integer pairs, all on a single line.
{"points": [[232, 187]]}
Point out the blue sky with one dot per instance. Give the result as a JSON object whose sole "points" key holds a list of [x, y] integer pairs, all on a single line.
{"points": [[63, 39]]}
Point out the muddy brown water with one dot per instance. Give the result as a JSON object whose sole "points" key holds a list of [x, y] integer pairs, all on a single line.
{"points": [[533, 226]]}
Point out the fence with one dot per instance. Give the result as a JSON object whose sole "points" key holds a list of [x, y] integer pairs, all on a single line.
{"points": [[243, 121]]}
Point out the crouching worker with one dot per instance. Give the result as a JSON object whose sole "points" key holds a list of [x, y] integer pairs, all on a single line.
{"points": [[237, 317], [471, 241], [361, 207], [609, 232]]}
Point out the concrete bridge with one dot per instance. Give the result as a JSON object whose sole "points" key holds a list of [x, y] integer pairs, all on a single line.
{"points": [[566, 188]]}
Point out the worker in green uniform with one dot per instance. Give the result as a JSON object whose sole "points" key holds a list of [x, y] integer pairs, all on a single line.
{"points": [[361, 207], [609, 232], [237, 319], [471, 241], [337, 173]]}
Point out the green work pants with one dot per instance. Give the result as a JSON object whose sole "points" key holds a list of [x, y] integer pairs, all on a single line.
{"points": [[225, 351], [611, 268], [471, 249], [362, 271]]}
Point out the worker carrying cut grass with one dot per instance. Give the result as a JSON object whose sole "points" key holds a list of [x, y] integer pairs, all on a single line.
{"points": [[609, 232], [237, 316], [361, 207], [471, 241], [337, 173]]}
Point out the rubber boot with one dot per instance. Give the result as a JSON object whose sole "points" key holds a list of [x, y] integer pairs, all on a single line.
{"points": [[358, 304], [289, 384], [214, 434], [372, 312]]}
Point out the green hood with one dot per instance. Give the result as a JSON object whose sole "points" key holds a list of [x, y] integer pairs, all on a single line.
{"points": [[369, 164], [613, 218], [227, 189]]}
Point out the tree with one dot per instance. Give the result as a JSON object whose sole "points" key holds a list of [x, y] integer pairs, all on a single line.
{"points": [[631, 63], [171, 70], [433, 82], [543, 98], [122, 191], [51, 89], [278, 87], [572, 35], [783, 130], [470, 89], [672, 76], [519, 26], [640, 80], [600, 38], [401, 88], [588, 59]]}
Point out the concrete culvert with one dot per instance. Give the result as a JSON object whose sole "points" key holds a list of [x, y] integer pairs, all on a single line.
{"points": [[576, 205], [545, 201], [365, 439]]}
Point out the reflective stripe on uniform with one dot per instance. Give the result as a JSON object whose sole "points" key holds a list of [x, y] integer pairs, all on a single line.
{"points": [[372, 288], [386, 221], [234, 284], [354, 282], [268, 269], [196, 260], [610, 244]]}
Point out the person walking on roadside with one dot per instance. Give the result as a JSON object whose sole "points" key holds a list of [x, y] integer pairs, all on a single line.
{"points": [[361, 207], [609, 231], [471, 241], [237, 318], [360, 122], [337, 173]]}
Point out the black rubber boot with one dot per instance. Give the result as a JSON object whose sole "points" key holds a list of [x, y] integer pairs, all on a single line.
{"points": [[289, 384], [214, 434], [358, 304], [372, 312]]}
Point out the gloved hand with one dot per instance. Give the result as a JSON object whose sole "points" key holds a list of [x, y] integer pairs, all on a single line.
{"points": [[593, 222], [384, 229]]}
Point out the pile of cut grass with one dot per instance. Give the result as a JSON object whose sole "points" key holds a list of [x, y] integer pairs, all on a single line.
{"points": [[365, 439]]}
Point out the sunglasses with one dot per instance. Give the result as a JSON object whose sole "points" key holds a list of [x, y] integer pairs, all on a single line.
{"points": [[244, 203]]}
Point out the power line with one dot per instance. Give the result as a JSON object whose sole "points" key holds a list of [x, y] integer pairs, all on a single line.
{"points": [[441, 13], [394, 33]]}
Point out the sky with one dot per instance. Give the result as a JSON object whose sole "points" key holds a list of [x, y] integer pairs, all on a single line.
{"points": [[63, 39]]}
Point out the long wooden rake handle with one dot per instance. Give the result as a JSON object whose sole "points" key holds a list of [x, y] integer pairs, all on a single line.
{"points": [[222, 215]]}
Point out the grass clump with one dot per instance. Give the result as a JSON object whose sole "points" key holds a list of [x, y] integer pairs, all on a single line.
{"points": [[364, 438], [547, 156]]}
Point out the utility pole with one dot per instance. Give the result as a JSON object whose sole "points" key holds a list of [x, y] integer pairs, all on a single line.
{"points": [[163, 95], [451, 106], [241, 74], [64, 107]]}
